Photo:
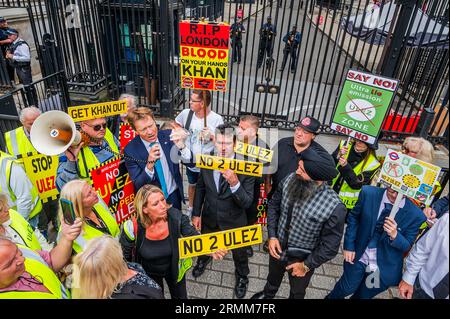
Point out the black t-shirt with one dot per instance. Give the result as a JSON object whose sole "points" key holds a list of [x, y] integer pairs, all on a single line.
{"points": [[156, 256], [286, 159]]}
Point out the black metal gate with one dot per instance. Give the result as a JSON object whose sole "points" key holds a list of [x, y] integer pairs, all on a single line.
{"points": [[107, 47], [331, 43]]}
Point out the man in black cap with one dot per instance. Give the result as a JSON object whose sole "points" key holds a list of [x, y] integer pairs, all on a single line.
{"points": [[292, 40], [291, 149], [4, 43], [305, 222], [19, 56], [266, 36]]}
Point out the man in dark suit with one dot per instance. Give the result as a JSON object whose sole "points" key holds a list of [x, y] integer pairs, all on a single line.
{"points": [[220, 203], [374, 244], [145, 161]]}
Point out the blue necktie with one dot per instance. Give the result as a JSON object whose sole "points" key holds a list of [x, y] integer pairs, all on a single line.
{"points": [[379, 225], [160, 173]]}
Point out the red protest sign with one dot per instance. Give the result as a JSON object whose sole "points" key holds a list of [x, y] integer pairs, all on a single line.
{"points": [[126, 135], [204, 52], [113, 183], [262, 206]]}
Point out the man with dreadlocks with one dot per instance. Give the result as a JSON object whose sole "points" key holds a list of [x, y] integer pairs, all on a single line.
{"points": [[305, 223]]}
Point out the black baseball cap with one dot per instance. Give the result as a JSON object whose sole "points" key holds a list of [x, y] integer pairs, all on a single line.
{"points": [[11, 31], [2, 19], [309, 124]]}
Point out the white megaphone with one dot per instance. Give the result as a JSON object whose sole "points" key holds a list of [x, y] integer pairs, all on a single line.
{"points": [[54, 132]]}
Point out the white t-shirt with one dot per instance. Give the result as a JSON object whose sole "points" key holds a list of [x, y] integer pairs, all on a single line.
{"points": [[193, 141]]}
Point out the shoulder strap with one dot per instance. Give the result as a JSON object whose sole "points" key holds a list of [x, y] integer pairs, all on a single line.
{"points": [[189, 120]]}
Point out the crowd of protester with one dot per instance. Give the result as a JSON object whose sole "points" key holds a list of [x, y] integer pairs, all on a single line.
{"points": [[316, 199]]}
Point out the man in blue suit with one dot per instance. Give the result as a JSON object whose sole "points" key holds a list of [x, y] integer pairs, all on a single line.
{"points": [[152, 157], [374, 244]]}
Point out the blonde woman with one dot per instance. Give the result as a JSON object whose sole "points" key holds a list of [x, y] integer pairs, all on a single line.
{"points": [[419, 148], [100, 272], [154, 237], [96, 217]]}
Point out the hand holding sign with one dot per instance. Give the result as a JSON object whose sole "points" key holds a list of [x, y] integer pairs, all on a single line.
{"points": [[218, 255], [72, 152], [230, 177], [390, 227]]}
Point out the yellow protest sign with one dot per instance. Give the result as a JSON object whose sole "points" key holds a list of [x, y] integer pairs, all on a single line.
{"points": [[254, 151], [220, 164], [227, 239], [96, 111], [41, 170]]}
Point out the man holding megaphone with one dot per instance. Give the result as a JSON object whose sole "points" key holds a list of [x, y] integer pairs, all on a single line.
{"points": [[78, 160]]}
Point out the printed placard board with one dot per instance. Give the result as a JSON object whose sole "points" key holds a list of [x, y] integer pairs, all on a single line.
{"points": [[221, 163], [409, 176], [97, 110], [364, 101], [262, 154], [112, 182], [227, 239], [41, 170], [204, 53]]}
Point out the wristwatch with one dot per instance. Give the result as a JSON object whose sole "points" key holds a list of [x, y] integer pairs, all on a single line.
{"points": [[306, 268]]}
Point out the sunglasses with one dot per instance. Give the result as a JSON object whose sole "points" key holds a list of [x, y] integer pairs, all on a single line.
{"points": [[98, 127]]}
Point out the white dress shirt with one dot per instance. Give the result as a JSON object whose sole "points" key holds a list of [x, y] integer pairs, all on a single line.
{"points": [[22, 52], [429, 257], [370, 254], [216, 175]]}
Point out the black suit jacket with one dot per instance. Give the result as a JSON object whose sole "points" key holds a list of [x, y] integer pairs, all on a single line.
{"points": [[224, 210], [136, 150]]}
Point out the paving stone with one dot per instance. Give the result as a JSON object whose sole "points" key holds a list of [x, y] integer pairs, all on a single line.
{"points": [[332, 270], [260, 258], [228, 280], [312, 293], [223, 265], [384, 295], [263, 272], [323, 282], [283, 291], [394, 293], [256, 285], [254, 270], [338, 260], [208, 277], [216, 292], [197, 290]]}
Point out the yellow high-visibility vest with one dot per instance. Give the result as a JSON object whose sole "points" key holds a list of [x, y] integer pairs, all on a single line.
{"points": [[39, 269], [24, 229], [89, 232], [348, 195], [18, 143], [6, 162]]}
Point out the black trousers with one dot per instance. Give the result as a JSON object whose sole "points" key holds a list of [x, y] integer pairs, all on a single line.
{"points": [[265, 47], [237, 46], [275, 277], [240, 257], [293, 53], [24, 74], [177, 290]]}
